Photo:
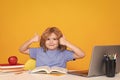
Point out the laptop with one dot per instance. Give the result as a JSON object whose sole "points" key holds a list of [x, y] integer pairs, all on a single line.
{"points": [[97, 65]]}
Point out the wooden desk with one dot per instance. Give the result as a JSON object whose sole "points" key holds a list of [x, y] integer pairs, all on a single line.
{"points": [[28, 76]]}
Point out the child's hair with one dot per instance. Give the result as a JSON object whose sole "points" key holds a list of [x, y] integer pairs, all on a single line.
{"points": [[45, 35]]}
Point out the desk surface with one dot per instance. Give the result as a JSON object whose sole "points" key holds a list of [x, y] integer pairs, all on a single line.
{"points": [[28, 76]]}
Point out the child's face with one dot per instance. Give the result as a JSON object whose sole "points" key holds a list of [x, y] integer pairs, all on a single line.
{"points": [[52, 42]]}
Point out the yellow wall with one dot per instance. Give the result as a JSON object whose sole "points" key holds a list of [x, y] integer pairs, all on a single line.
{"points": [[85, 23]]}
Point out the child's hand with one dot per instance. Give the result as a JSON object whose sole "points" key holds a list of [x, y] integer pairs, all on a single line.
{"points": [[36, 38], [63, 41]]}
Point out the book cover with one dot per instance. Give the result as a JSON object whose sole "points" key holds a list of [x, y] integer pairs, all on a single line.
{"points": [[5, 66]]}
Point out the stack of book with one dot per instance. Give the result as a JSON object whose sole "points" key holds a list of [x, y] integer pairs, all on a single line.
{"points": [[11, 68]]}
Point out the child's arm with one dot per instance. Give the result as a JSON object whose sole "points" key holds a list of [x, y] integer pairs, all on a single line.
{"points": [[25, 47], [78, 53]]}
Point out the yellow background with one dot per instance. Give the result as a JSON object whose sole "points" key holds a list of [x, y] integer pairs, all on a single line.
{"points": [[85, 23]]}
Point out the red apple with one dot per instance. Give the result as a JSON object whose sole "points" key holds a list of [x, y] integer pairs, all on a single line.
{"points": [[12, 60]]}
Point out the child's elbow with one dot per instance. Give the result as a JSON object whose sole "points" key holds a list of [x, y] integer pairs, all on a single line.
{"points": [[82, 55], [24, 51], [20, 50]]}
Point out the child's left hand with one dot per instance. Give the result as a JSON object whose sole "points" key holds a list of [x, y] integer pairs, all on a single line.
{"points": [[63, 41]]}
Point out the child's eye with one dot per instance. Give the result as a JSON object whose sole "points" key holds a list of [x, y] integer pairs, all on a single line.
{"points": [[54, 39], [48, 39]]}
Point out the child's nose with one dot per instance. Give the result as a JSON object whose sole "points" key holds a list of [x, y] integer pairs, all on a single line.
{"points": [[51, 41]]}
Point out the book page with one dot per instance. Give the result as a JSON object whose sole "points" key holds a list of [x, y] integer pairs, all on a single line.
{"points": [[41, 69], [11, 70], [58, 70]]}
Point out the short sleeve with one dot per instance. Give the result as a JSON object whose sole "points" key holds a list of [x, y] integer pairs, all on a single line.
{"points": [[33, 52], [68, 55]]}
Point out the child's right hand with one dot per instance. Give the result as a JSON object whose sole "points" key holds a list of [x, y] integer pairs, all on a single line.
{"points": [[36, 38]]}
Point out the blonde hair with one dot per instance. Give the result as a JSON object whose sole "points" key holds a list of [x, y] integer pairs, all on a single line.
{"points": [[45, 35]]}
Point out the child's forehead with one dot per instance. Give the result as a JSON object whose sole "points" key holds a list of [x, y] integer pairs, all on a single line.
{"points": [[52, 35]]}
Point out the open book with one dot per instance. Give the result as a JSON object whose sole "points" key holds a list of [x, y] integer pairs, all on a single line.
{"points": [[46, 69]]}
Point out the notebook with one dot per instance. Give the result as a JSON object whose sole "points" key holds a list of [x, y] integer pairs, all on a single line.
{"points": [[97, 65]]}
